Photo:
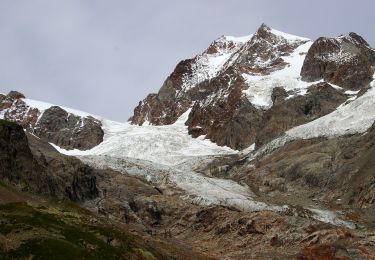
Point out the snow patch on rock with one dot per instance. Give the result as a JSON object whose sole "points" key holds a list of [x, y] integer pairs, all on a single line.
{"points": [[42, 106], [287, 36], [208, 64], [260, 87], [330, 217], [355, 117]]}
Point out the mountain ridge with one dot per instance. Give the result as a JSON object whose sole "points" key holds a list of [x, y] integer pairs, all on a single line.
{"points": [[263, 63], [259, 147]]}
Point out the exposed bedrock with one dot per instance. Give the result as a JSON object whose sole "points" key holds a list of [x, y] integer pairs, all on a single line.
{"points": [[346, 61]]}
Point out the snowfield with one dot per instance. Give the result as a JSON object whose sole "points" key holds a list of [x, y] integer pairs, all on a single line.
{"points": [[42, 106], [355, 116], [198, 189], [167, 145], [208, 65], [260, 87], [166, 156]]}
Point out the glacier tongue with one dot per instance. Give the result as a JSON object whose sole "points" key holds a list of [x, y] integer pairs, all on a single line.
{"points": [[140, 151], [197, 188], [167, 144], [166, 156]]}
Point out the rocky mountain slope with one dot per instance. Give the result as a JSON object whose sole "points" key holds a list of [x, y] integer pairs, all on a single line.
{"points": [[67, 128], [68, 178], [260, 147], [232, 103], [38, 220]]}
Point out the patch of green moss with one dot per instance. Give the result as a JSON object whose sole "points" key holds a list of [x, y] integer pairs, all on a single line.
{"points": [[62, 238], [47, 249], [17, 215], [145, 254]]}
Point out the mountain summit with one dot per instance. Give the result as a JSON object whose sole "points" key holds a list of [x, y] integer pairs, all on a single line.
{"points": [[232, 87]]}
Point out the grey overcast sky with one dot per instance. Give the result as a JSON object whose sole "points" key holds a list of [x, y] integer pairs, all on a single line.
{"points": [[104, 56]]}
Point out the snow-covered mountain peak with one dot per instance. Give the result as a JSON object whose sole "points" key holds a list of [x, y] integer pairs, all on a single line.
{"points": [[265, 32], [236, 81], [226, 44], [241, 39], [211, 62], [264, 52]]}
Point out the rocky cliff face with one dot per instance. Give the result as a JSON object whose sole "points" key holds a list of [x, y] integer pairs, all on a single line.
{"points": [[236, 89], [68, 130], [52, 123], [178, 91], [47, 173], [346, 61]]}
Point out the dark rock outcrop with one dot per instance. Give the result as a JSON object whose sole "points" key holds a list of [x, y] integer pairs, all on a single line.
{"points": [[57, 176], [158, 112], [17, 164], [321, 99], [54, 125], [67, 130], [345, 61], [13, 95], [7, 101], [18, 111], [226, 121]]}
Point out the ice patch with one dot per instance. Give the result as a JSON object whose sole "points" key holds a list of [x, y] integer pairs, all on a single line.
{"points": [[352, 118], [167, 144], [260, 87], [42, 106], [248, 150], [330, 217], [198, 189], [287, 36], [242, 39], [351, 92]]}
